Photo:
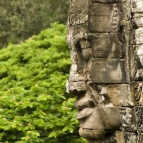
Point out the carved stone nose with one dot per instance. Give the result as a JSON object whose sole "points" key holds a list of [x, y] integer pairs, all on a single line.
{"points": [[85, 102]]}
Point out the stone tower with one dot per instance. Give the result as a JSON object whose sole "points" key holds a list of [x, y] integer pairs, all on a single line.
{"points": [[105, 38]]}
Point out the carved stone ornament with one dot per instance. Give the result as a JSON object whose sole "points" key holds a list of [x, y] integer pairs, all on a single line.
{"points": [[105, 39]]}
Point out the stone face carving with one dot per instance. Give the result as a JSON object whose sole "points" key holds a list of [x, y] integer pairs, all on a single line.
{"points": [[105, 39]]}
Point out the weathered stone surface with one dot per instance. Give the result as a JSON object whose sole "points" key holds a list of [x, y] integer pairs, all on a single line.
{"points": [[78, 12], [79, 86], [139, 53], [128, 119], [127, 95], [136, 62], [139, 118], [138, 93], [138, 20], [105, 39], [107, 45], [130, 137], [137, 6], [101, 13], [108, 71], [113, 92], [139, 35], [140, 138]]}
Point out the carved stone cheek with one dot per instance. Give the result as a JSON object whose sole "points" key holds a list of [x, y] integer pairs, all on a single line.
{"points": [[139, 35]]}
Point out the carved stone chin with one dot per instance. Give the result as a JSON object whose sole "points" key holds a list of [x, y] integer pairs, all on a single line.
{"points": [[90, 129], [92, 134], [105, 38], [96, 112]]}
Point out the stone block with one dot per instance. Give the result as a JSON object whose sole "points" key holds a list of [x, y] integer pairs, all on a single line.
{"points": [[130, 137], [78, 12], [138, 63], [139, 53], [101, 46], [87, 53], [128, 121], [108, 71], [114, 93], [107, 45], [139, 118], [138, 20], [140, 138], [76, 77], [137, 6], [139, 35], [130, 62], [127, 95], [100, 13]]}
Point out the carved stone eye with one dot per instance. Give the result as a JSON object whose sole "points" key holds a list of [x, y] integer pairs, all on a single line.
{"points": [[87, 53]]}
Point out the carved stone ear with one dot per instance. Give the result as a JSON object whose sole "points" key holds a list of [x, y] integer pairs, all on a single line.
{"points": [[87, 53]]}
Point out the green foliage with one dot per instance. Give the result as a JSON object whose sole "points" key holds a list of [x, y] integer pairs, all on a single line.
{"points": [[34, 106], [21, 19]]}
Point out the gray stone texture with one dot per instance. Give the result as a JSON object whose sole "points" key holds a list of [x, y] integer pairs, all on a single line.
{"points": [[105, 39]]}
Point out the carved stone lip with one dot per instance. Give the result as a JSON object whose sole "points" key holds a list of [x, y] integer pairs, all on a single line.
{"points": [[84, 113], [92, 130], [95, 130], [92, 134], [100, 118]]}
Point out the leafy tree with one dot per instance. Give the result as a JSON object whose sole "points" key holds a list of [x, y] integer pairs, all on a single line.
{"points": [[34, 106], [21, 19]]}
